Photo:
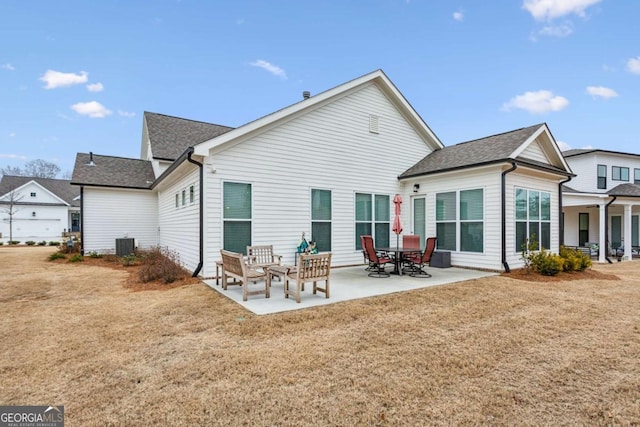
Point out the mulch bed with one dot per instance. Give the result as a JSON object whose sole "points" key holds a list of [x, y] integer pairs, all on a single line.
{"points": [[532, 276]]}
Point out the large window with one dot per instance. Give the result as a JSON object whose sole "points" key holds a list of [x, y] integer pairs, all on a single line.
{"points": [[321, 219], [533, 218], [636, 176], [460, 213], [237, 216], [602, 177], [619, 173], [372, 218]]}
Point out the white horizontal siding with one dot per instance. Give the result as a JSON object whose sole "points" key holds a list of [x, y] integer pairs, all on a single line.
{"points": [[328, 148], [586, 167], [534, 152], [179, 226], [115, 213], [48, 223]]}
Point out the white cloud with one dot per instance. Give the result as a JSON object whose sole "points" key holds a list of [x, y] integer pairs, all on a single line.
{"points": [[273, 69], [542, 10], [542, 101], [92, 109], [126, 113], [633, 65], [8, 67], [601, 92], [12, 156], [95, 87], [563, 146], [54, 79], [240, 21], [556, 30], [458, 16]]}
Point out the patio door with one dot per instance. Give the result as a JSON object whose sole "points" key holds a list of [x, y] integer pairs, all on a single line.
{"points": [[616, 232], [634, 230], [419, 218]]}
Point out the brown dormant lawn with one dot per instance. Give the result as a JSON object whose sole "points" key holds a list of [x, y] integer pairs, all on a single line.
{"points": [[494, 351]]}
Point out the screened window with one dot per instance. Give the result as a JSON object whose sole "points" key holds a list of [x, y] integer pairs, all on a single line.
{"points": [[533, 218], [321, 219], [460, 214], [636, 176], [237, 216], [619, 173], [602, 177], [372, 218]]}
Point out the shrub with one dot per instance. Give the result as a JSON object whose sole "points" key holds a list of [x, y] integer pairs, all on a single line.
{"points": [[1, 243], [160, 264], [56, 255], [128, 260], [94, 254], [574, 260], [42, 243], [30, 243], [76, 258], [14, 242], [548, 264], [54, 243]]}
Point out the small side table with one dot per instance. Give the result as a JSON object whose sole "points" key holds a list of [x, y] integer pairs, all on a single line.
{"points": [[279, 271]]}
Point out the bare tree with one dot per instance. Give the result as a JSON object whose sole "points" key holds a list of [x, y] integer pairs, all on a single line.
{"points": [[37, 168], [10, 207]]}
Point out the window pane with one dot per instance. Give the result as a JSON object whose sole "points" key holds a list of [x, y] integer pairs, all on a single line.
{"points": [[321, 234], [237, 236], [382, 234], [446, 206], [545, 206], [545, 235], [602, 171], [382, 208], [237, 200], [419, 215], [471, 205], [363, 207], [521, 204], [321, 205], [534, 205], [624, 174], [634, 230], [615, 173], [362, 229], [534, 232], [636, 176], [521, 235], [602, 183], [471, 236], [446, 233]]}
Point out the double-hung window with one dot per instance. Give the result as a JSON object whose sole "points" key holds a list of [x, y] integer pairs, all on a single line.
{"points": [[533, 218], [636, 176], [460, 220], [372, 218], [321, 219], [602, 177], [237, 216], [619, 173]]}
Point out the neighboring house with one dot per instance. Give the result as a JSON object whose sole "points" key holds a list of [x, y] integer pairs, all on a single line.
{"points": [[43, 208], [328, 166], [602, 204]]}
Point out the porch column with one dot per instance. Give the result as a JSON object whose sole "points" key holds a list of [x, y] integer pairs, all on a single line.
{"points": [[627, 232], [601, 231]]}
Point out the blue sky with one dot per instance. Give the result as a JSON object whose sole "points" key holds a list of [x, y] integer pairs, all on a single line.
{"points": [[76, 76]]}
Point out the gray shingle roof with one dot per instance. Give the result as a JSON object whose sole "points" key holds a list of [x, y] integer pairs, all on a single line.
{"points": [[491, 149], [577, 151], [60, 187], [170, 136], [625, 190], [112, 171]]}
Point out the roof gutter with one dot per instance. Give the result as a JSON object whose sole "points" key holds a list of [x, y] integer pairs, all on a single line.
{"points": [[189, 152], [606, 229], [560, 218], [513, 167]]}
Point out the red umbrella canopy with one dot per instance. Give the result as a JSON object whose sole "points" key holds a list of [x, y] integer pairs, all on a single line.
{"points": [[397, 225]]}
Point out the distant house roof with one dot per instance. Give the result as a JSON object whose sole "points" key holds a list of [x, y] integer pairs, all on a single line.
{"points": [[109, 171], [60, 187], [581, 151], [488, 150], [170, 136], [625, 190]]}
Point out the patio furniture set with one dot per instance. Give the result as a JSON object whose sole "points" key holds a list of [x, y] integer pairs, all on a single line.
{"points": [[262, 265], [408, 259]]}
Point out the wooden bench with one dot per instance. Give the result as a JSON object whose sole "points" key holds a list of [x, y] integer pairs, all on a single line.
{"points": [[262, 256], [311, 268], [234, 266]]}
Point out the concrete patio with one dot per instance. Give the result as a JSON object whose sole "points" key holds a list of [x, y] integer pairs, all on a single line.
{"points": [[347, 283]]}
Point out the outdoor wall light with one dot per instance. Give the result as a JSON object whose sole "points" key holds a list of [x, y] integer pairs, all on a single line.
{"points": [[416, 187]]}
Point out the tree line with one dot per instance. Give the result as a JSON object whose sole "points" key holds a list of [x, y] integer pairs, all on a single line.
{"points": [[35, 168]]}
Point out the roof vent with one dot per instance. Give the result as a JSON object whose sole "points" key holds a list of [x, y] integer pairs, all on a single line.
{"points": [[91, 162], [306, 94]]}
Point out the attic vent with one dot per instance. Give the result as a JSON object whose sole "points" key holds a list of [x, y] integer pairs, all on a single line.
{"points": [[373, 124]]}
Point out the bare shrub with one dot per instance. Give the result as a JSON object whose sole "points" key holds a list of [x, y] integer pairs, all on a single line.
{"points": [[160, 264]]}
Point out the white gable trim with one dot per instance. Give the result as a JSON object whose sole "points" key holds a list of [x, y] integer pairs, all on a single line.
{"points": [[378, 77], [18, 189], [553, 146]]}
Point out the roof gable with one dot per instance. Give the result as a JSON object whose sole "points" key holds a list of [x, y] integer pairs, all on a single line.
{"points": [[109, 171], [57, 191], [377, 77], [170, 136], [492, 149]]}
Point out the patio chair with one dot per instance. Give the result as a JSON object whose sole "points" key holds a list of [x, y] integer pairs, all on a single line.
{"points": [[262, 256], [376, 260], [236, 267], [410, 241], [311, 268], [364, 254], [420, 261]]}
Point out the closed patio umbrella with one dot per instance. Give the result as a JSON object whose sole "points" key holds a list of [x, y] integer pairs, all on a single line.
{"points": [[397, 224]]}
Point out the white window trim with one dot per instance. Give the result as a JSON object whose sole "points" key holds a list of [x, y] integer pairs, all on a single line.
{"points": [[374, 221], [527, 221], [459, 221]]}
